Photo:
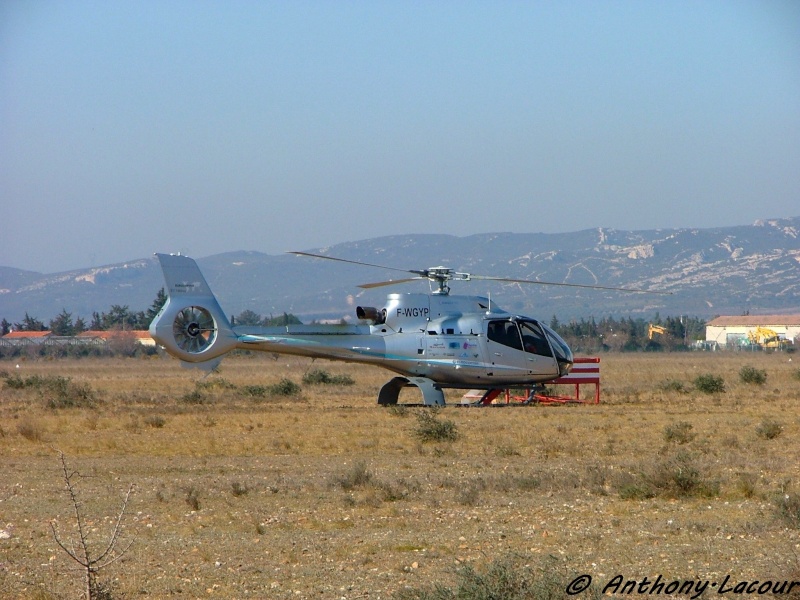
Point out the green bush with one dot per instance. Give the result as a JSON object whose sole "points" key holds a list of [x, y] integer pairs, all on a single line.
{"points": [[14, 381], [57, 391], [752, 375], [709, 384], [431, 429], [195, 397], [673, 385], [285, 387], [254, 391], [635, 490], [322, 377], [510, 577], [214, 383]]}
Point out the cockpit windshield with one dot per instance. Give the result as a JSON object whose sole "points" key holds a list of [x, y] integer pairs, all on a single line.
{"points": [[562, 351]]}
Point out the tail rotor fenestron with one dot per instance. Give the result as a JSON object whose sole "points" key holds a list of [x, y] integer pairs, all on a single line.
{"points": [[194, 329]]}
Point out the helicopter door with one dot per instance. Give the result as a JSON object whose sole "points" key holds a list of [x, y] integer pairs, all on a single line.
{"points": [[522, 345], [504, 344]]}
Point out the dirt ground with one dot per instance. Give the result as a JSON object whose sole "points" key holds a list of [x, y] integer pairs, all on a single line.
{"points": [[324, 494]]}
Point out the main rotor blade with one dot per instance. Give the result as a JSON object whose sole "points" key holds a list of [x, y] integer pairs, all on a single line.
{"points": [[575, 285], [368, 286], [426, 274], [355, 262]]}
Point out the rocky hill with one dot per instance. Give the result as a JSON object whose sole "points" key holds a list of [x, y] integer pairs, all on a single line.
{"points": [[709, 272]]}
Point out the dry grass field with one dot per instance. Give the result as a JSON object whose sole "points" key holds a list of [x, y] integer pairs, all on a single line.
{"points": [[244, 489]]}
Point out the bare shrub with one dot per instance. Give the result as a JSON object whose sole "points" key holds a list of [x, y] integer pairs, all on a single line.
{"points": [[91, 561], [32, 430], [123, 343], [680, 432], [469, 495], [746, 484], [193, 498], [787, 509], [680, 476], [358, 475], [155, 421], [677, 476], [769, 429], [239, 489]]}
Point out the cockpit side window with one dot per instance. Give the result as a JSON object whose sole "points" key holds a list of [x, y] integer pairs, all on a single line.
{"points": [[534, 339]]}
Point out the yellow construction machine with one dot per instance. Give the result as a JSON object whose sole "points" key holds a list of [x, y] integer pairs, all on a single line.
{"points": [[767, 338]]}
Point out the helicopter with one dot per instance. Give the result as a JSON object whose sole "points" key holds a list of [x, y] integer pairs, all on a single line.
{"points": [[431, 341]]}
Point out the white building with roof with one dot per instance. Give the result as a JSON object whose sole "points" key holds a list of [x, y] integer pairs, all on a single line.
{"points": [[735, 331]]}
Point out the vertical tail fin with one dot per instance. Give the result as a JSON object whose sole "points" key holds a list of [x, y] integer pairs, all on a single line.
{"points": [[191, 326], [183, 276]]}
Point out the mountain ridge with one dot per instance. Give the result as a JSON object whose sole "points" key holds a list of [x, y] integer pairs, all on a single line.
{"points": [[726, 270]]}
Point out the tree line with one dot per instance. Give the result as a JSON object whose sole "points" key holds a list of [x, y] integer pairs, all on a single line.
{"points": [[117, 318], [584, 336], [630, 335], [122, 318]]}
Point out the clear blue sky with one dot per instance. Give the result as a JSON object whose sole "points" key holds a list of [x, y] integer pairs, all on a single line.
{"points": [[133, 127]]}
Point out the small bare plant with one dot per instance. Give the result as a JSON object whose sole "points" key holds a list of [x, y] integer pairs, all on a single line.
{"points": [[31, 429], [680, 432], [91, 563], [358, 475], [155, 421], [769, 429], [193, 498], [239, 489]]}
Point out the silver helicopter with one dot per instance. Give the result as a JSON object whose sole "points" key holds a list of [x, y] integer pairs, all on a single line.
{"points": [[431, 341]]}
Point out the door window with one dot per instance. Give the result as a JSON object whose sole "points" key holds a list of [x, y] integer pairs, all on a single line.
{"points": [[506, 333], [533, 339]]}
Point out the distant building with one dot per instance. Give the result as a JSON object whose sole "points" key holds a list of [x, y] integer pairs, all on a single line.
{"points": [[729, 332], [99, 338], [25, 338]]}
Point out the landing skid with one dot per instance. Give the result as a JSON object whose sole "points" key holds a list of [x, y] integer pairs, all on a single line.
{"points": [[432, 394]]}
